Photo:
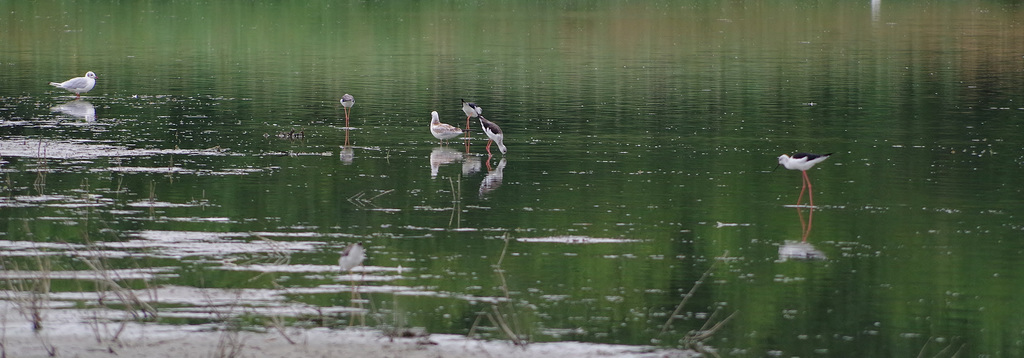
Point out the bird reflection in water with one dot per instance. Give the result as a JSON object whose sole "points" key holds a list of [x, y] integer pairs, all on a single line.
{"points": [[493, 179], [801, 250], [471, 164], [347, 155], [440, 156], [77, 108]]}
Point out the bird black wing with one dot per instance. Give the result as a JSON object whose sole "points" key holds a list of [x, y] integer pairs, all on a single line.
{"points": [[489, 125], [809, 156]]}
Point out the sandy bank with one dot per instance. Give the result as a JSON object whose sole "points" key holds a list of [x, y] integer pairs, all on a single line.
{"points": [[68, 333]]}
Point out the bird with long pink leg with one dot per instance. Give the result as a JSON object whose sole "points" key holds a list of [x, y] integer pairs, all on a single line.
{"points": [[802, 162], [472, 111], [494, 135], [347, 101]]}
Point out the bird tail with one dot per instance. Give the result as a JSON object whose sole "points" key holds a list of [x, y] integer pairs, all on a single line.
{"points": [[55, 84]]}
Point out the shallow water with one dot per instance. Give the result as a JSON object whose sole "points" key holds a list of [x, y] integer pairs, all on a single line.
{"points": [[213, 156]]}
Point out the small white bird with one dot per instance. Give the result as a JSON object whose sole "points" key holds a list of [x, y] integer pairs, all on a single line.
{"points": [[471, 110], [802, 162], [347, 101], [78, 85], [442, 131], [493, 133], [352, 256]]}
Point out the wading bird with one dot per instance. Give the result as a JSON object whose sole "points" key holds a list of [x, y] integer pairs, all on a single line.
{"points": [[78, 85], [442, 131], [347, 101], [802, 162], [471, 110], [352, 256], [493, 134]]}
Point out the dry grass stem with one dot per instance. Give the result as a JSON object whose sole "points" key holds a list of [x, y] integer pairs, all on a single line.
{"points": [[944, 351], [360, 199], [31, 296], [496, 316], [278, 323], [230, 343], [108, 281]]}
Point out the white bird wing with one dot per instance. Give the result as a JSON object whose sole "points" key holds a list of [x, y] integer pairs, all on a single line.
{"points": [[77, 82]]}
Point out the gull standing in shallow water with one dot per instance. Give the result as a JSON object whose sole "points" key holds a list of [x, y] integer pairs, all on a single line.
{"points": [[347, 101], [493, 134], [78, 85], [472, 111], [442, 131], [802, 162]]}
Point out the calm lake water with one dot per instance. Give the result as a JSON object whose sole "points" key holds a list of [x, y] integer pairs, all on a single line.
{"points": [[213, 154]]}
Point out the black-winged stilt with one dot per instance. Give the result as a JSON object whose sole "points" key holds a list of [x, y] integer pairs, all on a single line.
{"points": [[347, 101], [352, 256], [471, 110], [493, 134], [802, 162]]}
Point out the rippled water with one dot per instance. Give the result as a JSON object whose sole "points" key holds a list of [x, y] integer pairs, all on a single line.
{"points": [[211, 165]]}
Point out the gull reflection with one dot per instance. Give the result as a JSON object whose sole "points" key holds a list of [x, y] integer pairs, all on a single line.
{"points": [[493, 179], [440, 156], [876, 10], [802, 250], [77, 108]]}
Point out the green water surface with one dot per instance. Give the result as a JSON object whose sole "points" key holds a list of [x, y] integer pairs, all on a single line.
{"points": [[641, 141]]}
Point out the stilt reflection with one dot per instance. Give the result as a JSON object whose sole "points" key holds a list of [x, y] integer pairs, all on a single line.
{"points": [[347, 154], [493, 179], [801, 250]]}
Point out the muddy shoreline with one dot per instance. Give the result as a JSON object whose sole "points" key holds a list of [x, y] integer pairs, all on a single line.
{"points": [[76, 333]]}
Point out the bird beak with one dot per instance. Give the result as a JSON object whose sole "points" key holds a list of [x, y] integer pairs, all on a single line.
{"points": [[776, 167]]}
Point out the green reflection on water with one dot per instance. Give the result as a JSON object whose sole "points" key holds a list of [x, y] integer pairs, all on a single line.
{"points": [[651, 122]]}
